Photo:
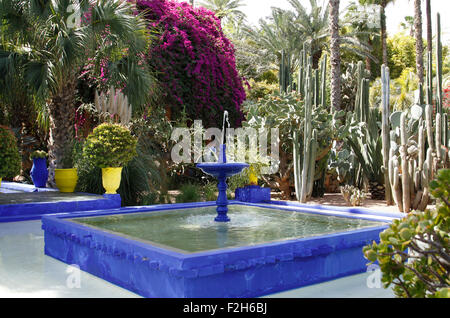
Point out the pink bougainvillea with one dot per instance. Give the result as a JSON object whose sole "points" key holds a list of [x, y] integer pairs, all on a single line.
{"points": [[194, 61]]}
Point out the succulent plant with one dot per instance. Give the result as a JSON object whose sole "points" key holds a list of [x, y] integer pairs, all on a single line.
{"points": [[353, 195], [311, 87], [418, 145], [413, 252]]}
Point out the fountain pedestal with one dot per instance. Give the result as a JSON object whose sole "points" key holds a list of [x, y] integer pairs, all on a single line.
{"points": [[222, 201], [221, 171]]}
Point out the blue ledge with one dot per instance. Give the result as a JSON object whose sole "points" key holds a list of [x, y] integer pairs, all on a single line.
{"points": [[354, 210], [253, 194], [36, 210], [247, 271], [22, 187]]}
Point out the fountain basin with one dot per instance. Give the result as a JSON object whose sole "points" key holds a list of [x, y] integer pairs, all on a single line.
{"points": [[222, 170], [240, 262]]}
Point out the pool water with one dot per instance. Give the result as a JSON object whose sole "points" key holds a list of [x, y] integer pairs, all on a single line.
{"points": [[194, 230]]}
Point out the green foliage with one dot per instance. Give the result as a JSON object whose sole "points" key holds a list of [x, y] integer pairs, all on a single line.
{"points": [[189, 193], [414, 253], [286, 111], [259, 90], [110, 145], [401, 53], [56, 48], [350, 82], [38, 154], [137, 182], [239, 180], [210, 191], [10, 161], [343, 161], [402, 93]]}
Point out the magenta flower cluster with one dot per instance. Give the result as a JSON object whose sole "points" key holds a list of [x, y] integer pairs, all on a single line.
{"points": [[194, 61]]}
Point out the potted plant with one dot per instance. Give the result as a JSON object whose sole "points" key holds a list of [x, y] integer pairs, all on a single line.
{"points": [[10, 161], [255, 170], [110, 147], [39, 171], [66, 178]]}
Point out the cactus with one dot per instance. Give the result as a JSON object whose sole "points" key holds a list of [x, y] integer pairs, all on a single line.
{"points": [[312, 86], [323, 90], [285, 78], [367, 144], [421, 151], [113, 104], [411, 165], [304, 180], [439, 95], [385, 91]]}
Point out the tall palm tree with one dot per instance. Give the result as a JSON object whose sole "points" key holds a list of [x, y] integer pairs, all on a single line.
{"points": [[288, 30], [224, 9], [278, 33], [47, 41], [363, 23], [314, 26], [383, 32], [335, 56], [419, 40]]}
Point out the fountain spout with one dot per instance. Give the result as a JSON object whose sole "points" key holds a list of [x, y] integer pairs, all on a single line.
{"points": [[222, 155], [222, 170]]}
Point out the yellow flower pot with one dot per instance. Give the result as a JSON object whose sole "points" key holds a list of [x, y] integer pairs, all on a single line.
{"points": [[253, 178], [0, 182], [111, 179], [66, 179]]}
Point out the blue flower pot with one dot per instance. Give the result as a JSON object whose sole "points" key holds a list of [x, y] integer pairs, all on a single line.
{"points": [[39, 172]]}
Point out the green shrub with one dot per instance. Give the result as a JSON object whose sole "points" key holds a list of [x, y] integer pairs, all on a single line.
{"points": [[210, 191], [110, 145], [189, 193], [239, 180], [10, 160], [38, 154], [135, 187], [414, 253]]}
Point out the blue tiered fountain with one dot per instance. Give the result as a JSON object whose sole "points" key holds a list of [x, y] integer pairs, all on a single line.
{"points": [[222, 170]]}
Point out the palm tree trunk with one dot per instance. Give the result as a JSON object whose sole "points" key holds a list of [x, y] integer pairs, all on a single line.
{"points": [[419, 40], [335, 56], [62, 118]]}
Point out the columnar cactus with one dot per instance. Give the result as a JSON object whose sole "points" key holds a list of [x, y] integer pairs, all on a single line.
{"points": [[304, 166], [411, 165], [418, 144], [385, 92], [312, 87], [285, 77]]}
